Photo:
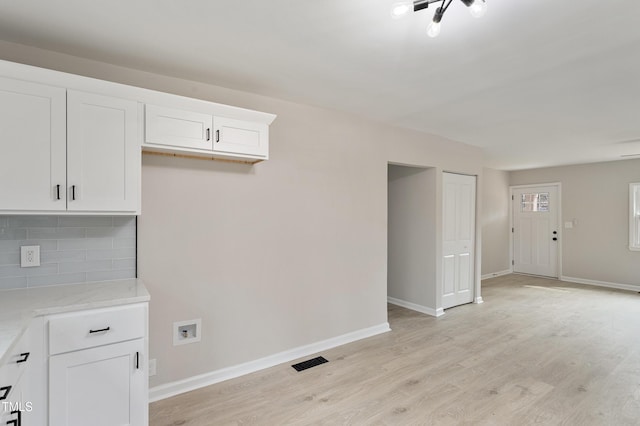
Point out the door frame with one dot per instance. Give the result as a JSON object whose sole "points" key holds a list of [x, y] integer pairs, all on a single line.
{"points": [[558, 186]]}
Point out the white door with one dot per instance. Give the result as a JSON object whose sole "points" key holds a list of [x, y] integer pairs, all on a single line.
{"points": [[103, 153], [459, 219], [176, 127], [32, 146], [535, 230], [241, 137], [102, 386]]}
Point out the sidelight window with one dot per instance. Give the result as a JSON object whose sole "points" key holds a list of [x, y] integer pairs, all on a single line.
{"points": [[634, 216]]}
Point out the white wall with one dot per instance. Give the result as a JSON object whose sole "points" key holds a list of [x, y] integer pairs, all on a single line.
{"points": [[495, 222], [275, 256], [597, 197], [412, 234]]}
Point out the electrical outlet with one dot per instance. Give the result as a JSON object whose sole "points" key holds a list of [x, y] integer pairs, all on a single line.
{"points": [[29, 256], [152, 367]]}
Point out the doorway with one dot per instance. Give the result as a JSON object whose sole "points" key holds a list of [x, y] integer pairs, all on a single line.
{"points": [[535, 218]]}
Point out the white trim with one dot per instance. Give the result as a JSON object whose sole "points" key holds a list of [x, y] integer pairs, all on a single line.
{"points": [[497, 274], [634, 190], [559, 219], [618, 286], [167, 390], [478, 300], [415, 307]]}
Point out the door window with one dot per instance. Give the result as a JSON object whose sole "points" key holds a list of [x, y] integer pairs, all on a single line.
{"points": [[534, 202]]}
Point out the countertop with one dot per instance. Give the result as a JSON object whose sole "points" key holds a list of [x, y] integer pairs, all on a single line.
{"points": [[18, 307]]}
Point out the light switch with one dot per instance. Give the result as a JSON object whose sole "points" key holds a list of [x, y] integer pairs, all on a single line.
{"points": [[568, 225]]}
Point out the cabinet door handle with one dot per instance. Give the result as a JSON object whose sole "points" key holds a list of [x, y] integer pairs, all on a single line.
{"points": [[99, 331], [217, 135], [6, 390], [137, 360], [208, 134], [23, 357], [57, 192], [73, 192]]}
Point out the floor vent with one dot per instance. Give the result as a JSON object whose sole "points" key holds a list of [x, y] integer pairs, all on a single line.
{"points": [[310, 363]]}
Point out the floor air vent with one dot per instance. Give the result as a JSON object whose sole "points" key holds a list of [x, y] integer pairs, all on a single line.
{"points": [[310, 363]]}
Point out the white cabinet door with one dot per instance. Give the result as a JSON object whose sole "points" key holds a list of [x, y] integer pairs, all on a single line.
{"points": [[103, 153], [102, 386], [32, 146], [179, 128], [241, 137]]}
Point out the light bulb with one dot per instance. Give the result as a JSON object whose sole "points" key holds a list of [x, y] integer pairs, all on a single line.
{"points": [[433, 30], [399, 9], [478, 8]]}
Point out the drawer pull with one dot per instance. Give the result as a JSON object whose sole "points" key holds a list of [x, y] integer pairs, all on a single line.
{"points": [[99, 331], [23, 357], [6, 390]]}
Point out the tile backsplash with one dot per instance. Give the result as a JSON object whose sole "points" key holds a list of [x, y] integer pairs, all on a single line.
{"points": [[73, 249]]}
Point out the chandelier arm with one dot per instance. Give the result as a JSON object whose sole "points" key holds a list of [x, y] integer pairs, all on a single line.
{"points": [[444, 8]]}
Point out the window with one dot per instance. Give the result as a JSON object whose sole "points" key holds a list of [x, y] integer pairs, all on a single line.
{"points": [[634, 216], [535, 202]]}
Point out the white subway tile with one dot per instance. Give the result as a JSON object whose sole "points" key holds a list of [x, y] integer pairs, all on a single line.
{"points": [[110, 275], [10, 258], [85, 221], [12, 283], [56, 233], [32, 221], [56, 279], [87, 266]]}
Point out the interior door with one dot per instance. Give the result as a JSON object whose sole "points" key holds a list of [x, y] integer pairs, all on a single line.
{"points": [[535, 230], [459, 220]]}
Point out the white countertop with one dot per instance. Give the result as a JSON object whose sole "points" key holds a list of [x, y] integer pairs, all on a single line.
{"points": [[18, 307]]}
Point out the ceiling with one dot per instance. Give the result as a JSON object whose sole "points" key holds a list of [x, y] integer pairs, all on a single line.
{"points": [[534, 83]]}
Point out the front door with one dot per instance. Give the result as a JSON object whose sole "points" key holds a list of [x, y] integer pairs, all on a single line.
{"points": [[535, 230], [459, 230]]}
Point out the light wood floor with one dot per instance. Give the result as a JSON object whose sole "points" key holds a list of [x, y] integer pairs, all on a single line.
{"points": [[537, 352]]}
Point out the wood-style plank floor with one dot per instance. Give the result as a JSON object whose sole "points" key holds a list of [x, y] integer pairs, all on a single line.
{"points": [[537, 352]]}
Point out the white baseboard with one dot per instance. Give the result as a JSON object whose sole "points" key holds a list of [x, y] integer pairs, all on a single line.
{"points": [[496, 274], [600, 283], [167, 390], [478, 300], [415, 307]]}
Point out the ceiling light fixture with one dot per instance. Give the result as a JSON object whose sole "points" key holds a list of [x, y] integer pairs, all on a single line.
{"points": [[477, 8]]}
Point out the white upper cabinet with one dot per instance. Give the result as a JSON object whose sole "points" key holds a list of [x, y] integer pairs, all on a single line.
{"points": [[67, 151], [241, 137], [201, 133], [179, 128], [32, 146], [103, 153]]}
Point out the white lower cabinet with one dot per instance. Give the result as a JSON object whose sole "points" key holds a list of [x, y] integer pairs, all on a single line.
{"points": [[97, 367], [101, 386], [22, 398]]}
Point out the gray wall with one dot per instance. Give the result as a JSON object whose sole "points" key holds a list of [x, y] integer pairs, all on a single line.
{"points": [[495, 222], [272, 257], [597, 197], [73, 249], [412, 234]]}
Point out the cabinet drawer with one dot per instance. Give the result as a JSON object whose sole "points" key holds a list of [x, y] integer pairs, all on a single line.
{"points": [[86, 329]]}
